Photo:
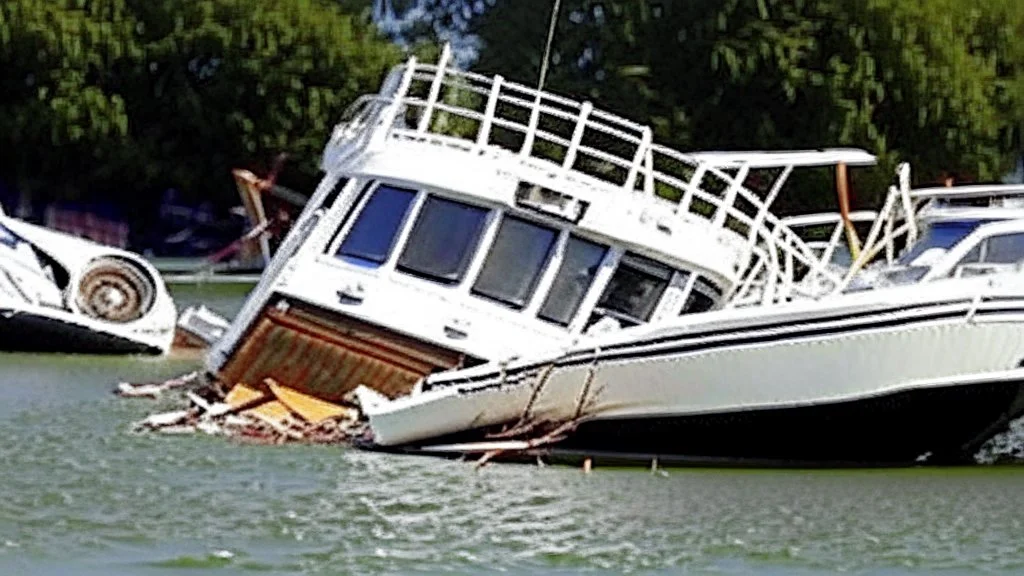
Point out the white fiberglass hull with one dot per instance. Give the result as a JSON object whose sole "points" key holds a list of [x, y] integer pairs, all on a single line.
{"points": [[884, 377]]}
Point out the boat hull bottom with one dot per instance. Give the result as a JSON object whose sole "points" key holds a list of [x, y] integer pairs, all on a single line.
{"points": [[22, 331], [925, 426]]}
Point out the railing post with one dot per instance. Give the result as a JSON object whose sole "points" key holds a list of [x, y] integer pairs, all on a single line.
{"points": [[730, 195], [384, 114], [531, 129], [484, 134], [762, 213], [698, 175], [435, 88], [577, 135], [642, 153], [649, 183]]}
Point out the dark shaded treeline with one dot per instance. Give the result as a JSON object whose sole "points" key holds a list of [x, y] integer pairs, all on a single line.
{"points": [[939, 83], [122, 99]]}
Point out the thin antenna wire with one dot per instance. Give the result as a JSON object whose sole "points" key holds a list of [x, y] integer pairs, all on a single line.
{"points": [[547, 47]]}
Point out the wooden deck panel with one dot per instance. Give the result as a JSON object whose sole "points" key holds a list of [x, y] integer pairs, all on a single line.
{"points": [[328, 356]]}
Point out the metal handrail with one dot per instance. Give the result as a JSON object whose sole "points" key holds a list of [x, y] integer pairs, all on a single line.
{"points": [[607, 153]]}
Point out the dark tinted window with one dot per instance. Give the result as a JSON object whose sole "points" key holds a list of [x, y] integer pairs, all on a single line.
{"points": [[443, 240], [332, 196], [1005, 249], [974, 255], [635, 288], [575, 275], [702, 298], [372, 236], [940, 235], [7, 238], [516, 261]]}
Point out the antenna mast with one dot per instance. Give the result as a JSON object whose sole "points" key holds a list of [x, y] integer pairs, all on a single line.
{"points": [[547, 46]]}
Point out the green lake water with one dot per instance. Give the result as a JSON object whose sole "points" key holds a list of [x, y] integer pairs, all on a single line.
{"points": [[80, 494]]}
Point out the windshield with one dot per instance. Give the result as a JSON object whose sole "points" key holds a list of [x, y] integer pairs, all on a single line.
{"points": [[7, 238], [940, 235], [518, 257], [635, 289], [443, 240]]}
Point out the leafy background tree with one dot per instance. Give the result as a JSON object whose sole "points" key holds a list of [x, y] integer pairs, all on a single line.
{"points": [[124, 98], [933, 82], [121, 99]]}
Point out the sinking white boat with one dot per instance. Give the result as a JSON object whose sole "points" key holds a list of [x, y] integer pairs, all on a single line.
{"points": [[918, 359], [59, 293], [465, 219]]}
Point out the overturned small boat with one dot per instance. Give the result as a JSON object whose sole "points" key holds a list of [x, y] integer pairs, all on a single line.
{"points": [[59, 293], [917, 358]]}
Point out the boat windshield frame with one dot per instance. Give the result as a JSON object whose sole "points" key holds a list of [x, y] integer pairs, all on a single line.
{"points": [[960, 231]]}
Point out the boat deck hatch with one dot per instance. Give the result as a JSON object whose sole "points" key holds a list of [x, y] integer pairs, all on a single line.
{"points": [[327, 355]]}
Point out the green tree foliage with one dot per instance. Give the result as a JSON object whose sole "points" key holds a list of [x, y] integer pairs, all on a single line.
{"points": [[938, 83], [124, 97]]}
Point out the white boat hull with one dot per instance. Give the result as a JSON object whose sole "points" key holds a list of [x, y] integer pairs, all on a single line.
{"points": [[888, 384]]}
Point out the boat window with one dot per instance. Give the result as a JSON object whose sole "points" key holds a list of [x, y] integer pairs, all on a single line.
{"points": [[517, 259], [702, 297], [335, 192], [373, 234], [634, 290], [7, 238], [575, 275], [941, 236], [904, 275], [1005, 249], [1000, 251], [443, 240], [974, 256]]}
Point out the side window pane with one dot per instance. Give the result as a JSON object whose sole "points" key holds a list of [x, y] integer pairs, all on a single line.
{"points": [[372, 236], [974, 255], [443, 240], [7, 238], [575, 275], [702, 298], [1005, 249], [635, 289], [514, 265], [332, 196]]}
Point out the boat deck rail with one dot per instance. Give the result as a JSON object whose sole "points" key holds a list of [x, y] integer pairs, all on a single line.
{"points": [[593, 153]]}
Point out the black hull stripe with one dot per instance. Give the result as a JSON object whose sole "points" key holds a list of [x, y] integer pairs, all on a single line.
{"points": [[767, 338], [755, 335]]}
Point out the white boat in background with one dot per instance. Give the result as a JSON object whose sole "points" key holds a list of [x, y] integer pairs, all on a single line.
{"points": [[916, 358], [465, 219], [59, 293]]}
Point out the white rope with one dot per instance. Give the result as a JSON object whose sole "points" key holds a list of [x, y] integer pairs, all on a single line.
{"points": [[547, 47]]}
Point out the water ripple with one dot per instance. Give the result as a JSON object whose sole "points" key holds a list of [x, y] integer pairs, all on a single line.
{"points": [[79, 493]]}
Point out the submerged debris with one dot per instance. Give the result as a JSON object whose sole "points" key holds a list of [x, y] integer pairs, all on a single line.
{"points": [[156, 389], [270, 414]]}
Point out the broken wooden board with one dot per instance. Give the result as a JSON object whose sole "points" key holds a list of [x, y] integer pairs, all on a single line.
{"points": [[241, 395], [275, 412], [307, 407]]}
